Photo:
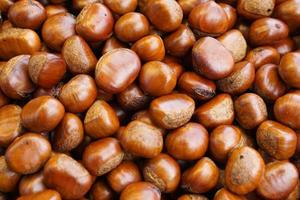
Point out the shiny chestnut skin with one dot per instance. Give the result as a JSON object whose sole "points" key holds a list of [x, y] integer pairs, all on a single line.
{"points": [[268, 84], [46, 69], [120, 6], [123, 175], [68, 134], [175, 64], [217, 111], [193, 136], [201, 177], [32, 183], [140, 190], [78, 55], [150, 48], [250, 110], [42, 114], [157, 78], [102, 156], [230, 13], [67, 176], [101, 120], [288, 69], [57, 29], [277, 140], [279, 180], [163, 172], [45, 195], [131, 27], [172, 111], [14, 78], [111, 44], [78, 94], [263, 55], [285, 109], [94, 22], [255, 9], [117, 69], [265, 31], [239, 80], [196, 86], [192, 197], [54, 9], [224, 194], [8, 178], [10, 124], [101, 191], [188, 5], [243, 171], [27, 14], [165, 15], [180, 41], [28, 153], [211, 59], [78, 5], [284, 46], [209, 18]]}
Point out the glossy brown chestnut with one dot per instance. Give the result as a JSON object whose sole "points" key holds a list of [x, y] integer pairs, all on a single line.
{"points": [[54, 91], [69, 133], [284, 46], [94, 22], [188, 5], [279, 180], [165, 15], [192, 197], [141, 139], [111, 44], [117, 69], [8, 178], [42, 114], [67, 176], [172, 111], [78, 55], [243, 171], [101, 191], [212, 59], [277, 140], [140, 190], [230, 13], [175, 64], [78, 94], [250, 110], [217, 111], [121, 7], [78, 5], [102, 156], [224, 194], [263, 55], [131, 27], [10, 124], [44, 195], [123, 175], [150, 48], [46, 69], [288, 69], [54, 9], [101, 120], [254, 9], [32, 183], [27, 14], [57, 29], [202, 177]]}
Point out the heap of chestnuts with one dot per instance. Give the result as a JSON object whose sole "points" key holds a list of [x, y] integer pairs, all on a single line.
{"points": [[149, 99]]}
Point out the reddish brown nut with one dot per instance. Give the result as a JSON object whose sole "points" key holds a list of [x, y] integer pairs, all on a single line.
{"points": [[201, 177], [239, 80], [140, 190], [194, 138], [42, 114], [78, 55], [121, 7], [45, 195], [192, 197], [279, 180], [10, 124], [268, 83], [250, 110], [230, 13], [27, 14], [54, 9], [224, 194], [267, 30], [277, 140], [102, 156], [131, 27], [157, 78], [150, 48], [101, 120], [46, 69], [188, 5], [111, 44], [175, 64], [123, 175], [165, 15], [79, 93], [54, 91], [288, 69], [172, 111], [284, 46], [57, 29], [78, 5], [117, 69], [69, 133], [95, 22], [32, 183], [67, 176], [101, 191], [263, 55], [217, 111], [212, 59], [243, 171], [8, 178], [254, 9]]}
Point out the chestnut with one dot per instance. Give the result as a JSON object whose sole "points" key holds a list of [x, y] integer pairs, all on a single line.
{"points": [[140, 190], [230, 13], [254, 9], [111, 44], [288, 69], [32, 183], [120, 6], [8, 178], [263, 55], [192, 197], [54, 9], [188, 5], [78, 5], [46, 194], [284, 46], [101, 191], [224, 194]]}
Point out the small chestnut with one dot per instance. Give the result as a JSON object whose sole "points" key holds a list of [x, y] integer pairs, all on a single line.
{"points": [[101, 191], [32, 183], [45, 195], [140, 190]]}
